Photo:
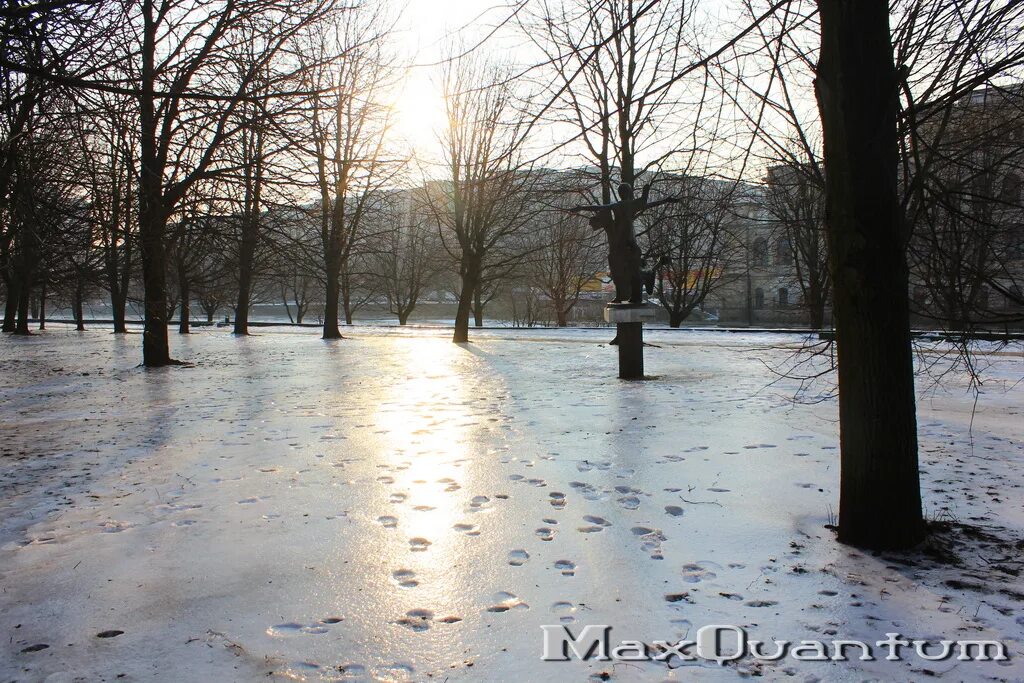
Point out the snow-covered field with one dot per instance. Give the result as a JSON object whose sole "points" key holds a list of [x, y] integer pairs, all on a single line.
{"points": [[396, 507]]}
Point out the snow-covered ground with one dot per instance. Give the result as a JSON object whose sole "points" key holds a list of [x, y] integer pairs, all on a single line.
{"points": [[396, 507]]}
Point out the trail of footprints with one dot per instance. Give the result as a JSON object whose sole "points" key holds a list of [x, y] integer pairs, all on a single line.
{"points": [[629, 498], [421, 619]]}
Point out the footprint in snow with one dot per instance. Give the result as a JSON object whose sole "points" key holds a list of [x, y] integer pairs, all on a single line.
{"points": [[417, 620], [404, 578], [596, 524], [419, 545], [700, 571], [565, 611], [503, 602], [517, 558]]}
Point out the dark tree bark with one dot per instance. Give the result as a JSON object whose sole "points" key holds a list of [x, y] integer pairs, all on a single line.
{"points": [[815, 311], [21, 327], [119, 303], [470, 282], [254, 155], [333, 295], [77, 308], [246, 255], [561, 314], [152, 215], [152, 229], [856, 85]]}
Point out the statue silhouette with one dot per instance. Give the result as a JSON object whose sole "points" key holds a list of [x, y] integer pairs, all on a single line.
{"points": [[625, 258]]}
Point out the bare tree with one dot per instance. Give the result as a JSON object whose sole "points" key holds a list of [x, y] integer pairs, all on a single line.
{"points": [[795, 202], [616, 64], [692, 241], [252, 150], [22, 98], [197, 237], [346, 139], [296, 258], [565, 252], [188, 95], [406, 255], [857, 86], [483, 201], [42, 215], [107, 134]]}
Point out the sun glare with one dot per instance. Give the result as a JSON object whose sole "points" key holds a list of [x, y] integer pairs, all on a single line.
{"points": [[420, 113], [426, 444]]}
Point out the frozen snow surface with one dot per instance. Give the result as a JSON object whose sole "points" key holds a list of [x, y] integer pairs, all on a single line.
{"points": [[396, 507]]}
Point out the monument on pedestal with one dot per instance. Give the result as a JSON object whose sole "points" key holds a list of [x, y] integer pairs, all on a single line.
{"points": [[628, 310]]}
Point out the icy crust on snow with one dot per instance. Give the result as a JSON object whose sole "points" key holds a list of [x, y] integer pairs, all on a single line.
{"points": [[396, 507]]}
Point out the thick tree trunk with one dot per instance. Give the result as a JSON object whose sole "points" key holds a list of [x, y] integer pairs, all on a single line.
{"points": [[21, 327], [880, 499], [242, 306], [816, 313], [118, 304], [154, 205], [675, 319], [333, 292], [246, 255], [77, 308], [155, 343], [561, 317], [470, 282]]}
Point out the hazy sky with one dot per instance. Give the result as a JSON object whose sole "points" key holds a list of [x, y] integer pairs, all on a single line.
{"points": [[427, 29], [424, 28]]}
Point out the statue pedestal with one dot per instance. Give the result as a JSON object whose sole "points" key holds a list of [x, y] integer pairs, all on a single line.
{"points": [[629, 313], [629, 323]]}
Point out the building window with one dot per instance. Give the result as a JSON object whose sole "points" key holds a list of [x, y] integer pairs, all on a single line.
{"points": [[760, 255], [758, 298], [783, 297], [1011, 189], [783, 252]]}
